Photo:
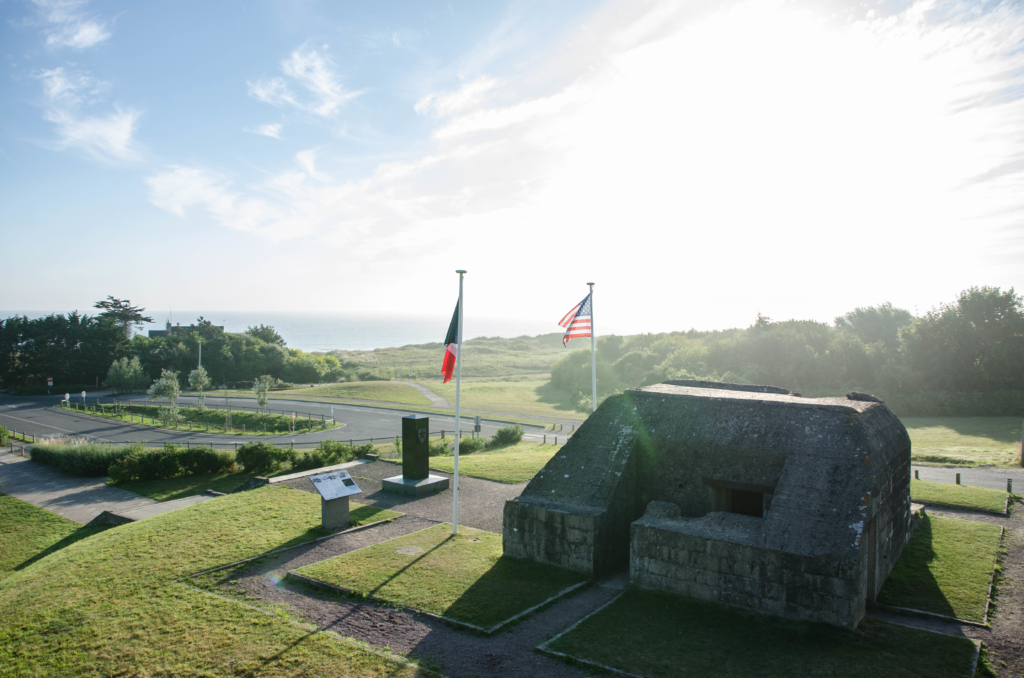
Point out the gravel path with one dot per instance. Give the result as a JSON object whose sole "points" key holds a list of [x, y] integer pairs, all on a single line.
{"points": [[1005, 637], [435, 400], [481, 502], [454, 652]]}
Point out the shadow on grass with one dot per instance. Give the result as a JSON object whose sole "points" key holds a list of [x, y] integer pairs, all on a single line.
{"points": [[509, 587], [78, 535], [549, 395], [911, 583]]}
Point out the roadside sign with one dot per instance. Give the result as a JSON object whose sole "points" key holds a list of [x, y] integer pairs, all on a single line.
{"points": [[476, 424], [83, 396], [49, 381], [335, 485]]}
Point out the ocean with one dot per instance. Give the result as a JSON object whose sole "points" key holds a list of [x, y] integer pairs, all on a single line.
{"points": [[330, 331]]}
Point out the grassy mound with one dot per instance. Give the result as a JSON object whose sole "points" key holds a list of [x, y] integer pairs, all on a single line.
{"points": [[964, 440], [119, 610]]}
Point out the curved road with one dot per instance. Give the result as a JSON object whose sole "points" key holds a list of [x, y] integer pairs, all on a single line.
{"points": [[38, 416]]}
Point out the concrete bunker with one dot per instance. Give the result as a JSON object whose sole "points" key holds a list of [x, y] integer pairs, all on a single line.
{"points": [[742, 495]]}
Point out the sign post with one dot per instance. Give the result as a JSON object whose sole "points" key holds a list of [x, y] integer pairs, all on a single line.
{"points": [[335, 488]]}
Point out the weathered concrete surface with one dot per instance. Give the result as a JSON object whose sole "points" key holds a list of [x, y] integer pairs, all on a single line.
{"points": [[77, 499], [831, 479]]}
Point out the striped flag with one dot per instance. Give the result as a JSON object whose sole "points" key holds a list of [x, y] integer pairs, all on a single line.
{"points": [[451, 351], [577, 322]]}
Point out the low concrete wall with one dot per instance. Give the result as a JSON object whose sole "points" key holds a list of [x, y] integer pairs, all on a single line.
{"points": [[716, 558], [552, 533]]}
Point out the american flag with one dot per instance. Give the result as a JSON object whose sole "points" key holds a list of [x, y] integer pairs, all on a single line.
{"points": [[577, 321]]}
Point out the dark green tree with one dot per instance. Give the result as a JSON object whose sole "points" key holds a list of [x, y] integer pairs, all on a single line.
{"points": [[122, 313]]}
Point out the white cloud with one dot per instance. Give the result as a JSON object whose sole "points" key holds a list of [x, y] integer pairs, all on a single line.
{"points": [[760, 156], [469, 94], [68, 25], [107, 137], [268, 130], [308, 69]]}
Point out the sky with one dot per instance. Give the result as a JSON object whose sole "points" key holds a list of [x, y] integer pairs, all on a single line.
{"points": [[701, 162]]}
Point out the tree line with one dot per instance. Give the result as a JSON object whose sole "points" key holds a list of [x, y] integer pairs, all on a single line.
{"points": [[968, 351], [79, 351]]}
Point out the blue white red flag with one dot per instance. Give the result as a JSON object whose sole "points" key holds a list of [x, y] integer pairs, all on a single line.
{"points": [[577, 322]]}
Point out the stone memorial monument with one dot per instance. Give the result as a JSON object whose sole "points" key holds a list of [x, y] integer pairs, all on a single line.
{"points": [[335, 488], [416, 478]]}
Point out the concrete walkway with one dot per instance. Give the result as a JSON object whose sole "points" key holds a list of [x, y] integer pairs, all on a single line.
{"points": [[77, 499], [435, 400]]}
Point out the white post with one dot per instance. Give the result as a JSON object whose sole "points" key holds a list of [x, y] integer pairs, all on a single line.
{"points": [[593, 350], [458, 412]]}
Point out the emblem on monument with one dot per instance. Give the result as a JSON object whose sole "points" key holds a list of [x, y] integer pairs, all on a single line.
{"points": [[422, 433]]}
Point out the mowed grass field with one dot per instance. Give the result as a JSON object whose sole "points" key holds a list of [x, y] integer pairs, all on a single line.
{"points": [[945, 568], [109, 605], [386, 391], [965, 440], [659, 635], [512, 464], [535, 398], [464, 577]]}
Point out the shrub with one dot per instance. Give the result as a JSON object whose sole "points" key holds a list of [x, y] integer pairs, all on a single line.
{"points": [[470, 445], [331, 452], [86, 460], [507, 435], [4, 435], [143, 464], [440, 447], [262, 457], [197, 461]]}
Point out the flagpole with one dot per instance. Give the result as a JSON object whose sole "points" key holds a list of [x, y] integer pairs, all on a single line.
{"points": [[593, 350], [458, 413]]}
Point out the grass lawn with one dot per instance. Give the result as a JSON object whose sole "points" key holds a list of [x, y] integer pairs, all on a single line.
{"points": [[512, 464], [109, 604], [958, 495], [657, 634], [945, 568], [28, 533], [463, 577], [530, 398], [964, 440], [385, 391]]}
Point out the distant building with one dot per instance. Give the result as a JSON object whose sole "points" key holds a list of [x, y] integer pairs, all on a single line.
{"points": [[177, 330]]}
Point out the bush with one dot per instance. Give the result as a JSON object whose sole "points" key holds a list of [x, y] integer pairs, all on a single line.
{"points": [[86, 460], [331, 452], [4, 436], [508, 435], [440, 447], [470, 445], [262, 457], [169, 462]]}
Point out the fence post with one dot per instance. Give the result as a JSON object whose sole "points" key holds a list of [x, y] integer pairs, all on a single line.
{"points": [[188, 445], [556, 440], [545, 439], [917, 474], [957, 478], [1009, 485]]}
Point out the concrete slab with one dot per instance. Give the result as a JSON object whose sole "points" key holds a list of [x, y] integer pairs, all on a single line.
{"points": [[77, 499], [416, 488], [155, 509]]}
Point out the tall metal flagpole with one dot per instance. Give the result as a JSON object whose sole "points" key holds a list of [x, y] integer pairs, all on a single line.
{"points": [[458, 413], [593, 351]]}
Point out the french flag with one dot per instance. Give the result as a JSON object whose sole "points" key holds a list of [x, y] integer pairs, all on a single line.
{"points": [[451, 343]]}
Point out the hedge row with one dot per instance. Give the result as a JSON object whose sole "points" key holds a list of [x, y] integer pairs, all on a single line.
{"points": [[87, 460], [262, 457], [170, 461]]}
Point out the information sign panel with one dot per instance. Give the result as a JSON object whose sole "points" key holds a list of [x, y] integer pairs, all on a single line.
{"points": [[335, 485]]}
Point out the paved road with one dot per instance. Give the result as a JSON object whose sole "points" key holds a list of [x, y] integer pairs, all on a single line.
{"points": [[78, 499], [993, 477], [38, 416]]}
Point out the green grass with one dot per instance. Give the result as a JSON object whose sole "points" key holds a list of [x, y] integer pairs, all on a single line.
{"points": [[187, 486], [657, 635], [28, 533], [513, 464], [958, 495], [109, 605], [964, 440], [463, 577], [211, 420], [945, 568], [384, 391], [529, 398]]}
